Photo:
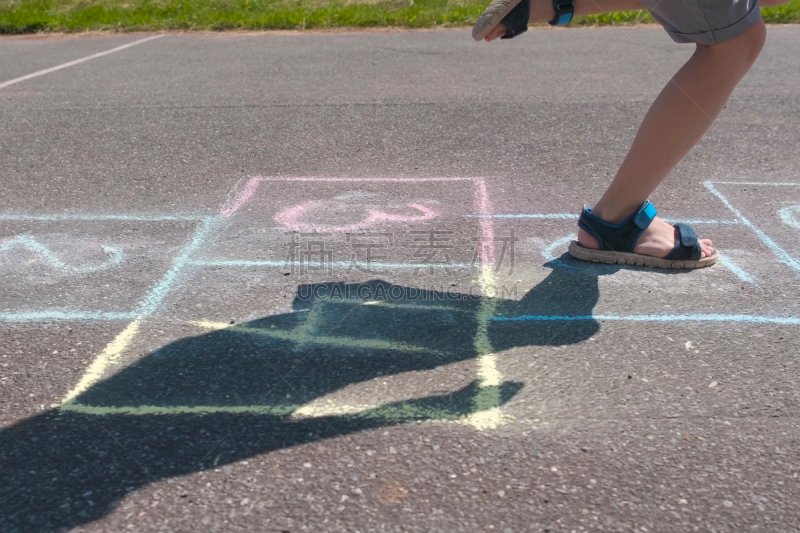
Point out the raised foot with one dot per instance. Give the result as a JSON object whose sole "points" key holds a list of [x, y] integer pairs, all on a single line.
{"points": [[490, 19]]}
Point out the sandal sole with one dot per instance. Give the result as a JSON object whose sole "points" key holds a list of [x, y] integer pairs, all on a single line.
{"points": [[490, 18], [625, 258]]}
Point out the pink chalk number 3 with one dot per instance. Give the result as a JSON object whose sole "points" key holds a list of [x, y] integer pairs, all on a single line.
{"points": [[293, 217]]}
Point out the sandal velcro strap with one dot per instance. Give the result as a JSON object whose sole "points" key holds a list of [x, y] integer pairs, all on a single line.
{"points": [[620, 237], [644, 216], [687, 245], [516, 22]]}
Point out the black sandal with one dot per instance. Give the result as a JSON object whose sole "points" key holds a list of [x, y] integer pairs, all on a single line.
{"points": [[617, 242], [515, 14]]}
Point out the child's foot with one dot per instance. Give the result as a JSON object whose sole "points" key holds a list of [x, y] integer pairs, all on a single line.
{"points": [[657, 240]]}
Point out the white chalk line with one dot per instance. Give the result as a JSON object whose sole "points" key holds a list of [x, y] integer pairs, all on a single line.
{"points": [[5, 84]]}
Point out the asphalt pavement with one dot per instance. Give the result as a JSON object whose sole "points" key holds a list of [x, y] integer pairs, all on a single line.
{"points": [[318, 282]]}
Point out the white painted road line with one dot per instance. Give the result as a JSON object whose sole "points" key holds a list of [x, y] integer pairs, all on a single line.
{"points": [[5, 84]]}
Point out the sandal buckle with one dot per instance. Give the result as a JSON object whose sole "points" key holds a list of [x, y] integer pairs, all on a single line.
{"points": [[645, 215]]}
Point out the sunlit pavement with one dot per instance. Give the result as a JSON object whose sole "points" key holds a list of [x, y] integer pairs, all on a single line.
{"points": [[290, 282]]}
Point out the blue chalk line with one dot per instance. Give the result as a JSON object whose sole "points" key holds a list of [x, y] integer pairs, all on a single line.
{"points": [[755, 319], [782, 255], [37, 316], [570, 216], [157, 294], [92, 218], [736, 269], [788, 215]]}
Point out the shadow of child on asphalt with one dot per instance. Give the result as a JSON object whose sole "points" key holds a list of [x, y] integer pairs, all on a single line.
{"points": [[63, 468]]}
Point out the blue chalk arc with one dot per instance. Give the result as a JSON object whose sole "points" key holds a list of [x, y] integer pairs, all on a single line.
{"points": [[32, 244], [790, 216]]}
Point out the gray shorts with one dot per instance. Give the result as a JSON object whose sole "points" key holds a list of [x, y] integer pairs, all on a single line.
{"points": [[704, 21]]}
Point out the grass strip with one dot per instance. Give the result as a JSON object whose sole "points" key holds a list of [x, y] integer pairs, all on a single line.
{"points": [[32, 16]]}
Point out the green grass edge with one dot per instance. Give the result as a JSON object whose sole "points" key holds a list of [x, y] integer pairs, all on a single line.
{"points": [[35, 16]]}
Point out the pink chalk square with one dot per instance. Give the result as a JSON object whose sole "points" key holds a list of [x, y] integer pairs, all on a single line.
{"points": [[263, 212]]}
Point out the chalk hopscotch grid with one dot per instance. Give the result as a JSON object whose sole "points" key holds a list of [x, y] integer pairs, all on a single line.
{"points": [[207, 223], [487, 400]]}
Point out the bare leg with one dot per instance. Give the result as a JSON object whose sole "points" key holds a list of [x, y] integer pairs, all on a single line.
{"points": [[677, 120]]}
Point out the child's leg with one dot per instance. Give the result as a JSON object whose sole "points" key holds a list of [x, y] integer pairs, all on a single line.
{"points": [[677, 120]]}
